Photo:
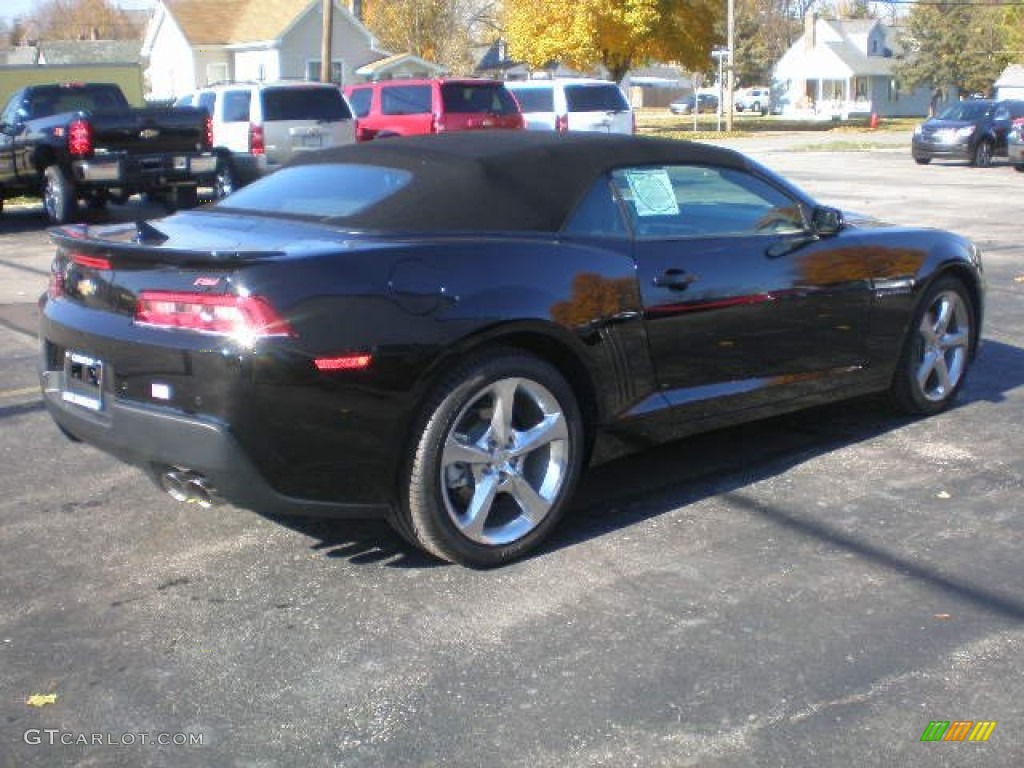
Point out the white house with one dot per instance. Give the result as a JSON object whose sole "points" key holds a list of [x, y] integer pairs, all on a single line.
{"points": [[842, 68], [1010, 84], [192, 43]]}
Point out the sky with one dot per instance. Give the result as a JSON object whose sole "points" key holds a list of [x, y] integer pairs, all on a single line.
{"points": [[10, 9]]}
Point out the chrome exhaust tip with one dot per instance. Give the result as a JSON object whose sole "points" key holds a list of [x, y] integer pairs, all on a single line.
{"points": [[189, 487]]}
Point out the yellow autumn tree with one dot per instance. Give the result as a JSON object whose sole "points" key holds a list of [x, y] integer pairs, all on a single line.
{"points": [[618, 34]]}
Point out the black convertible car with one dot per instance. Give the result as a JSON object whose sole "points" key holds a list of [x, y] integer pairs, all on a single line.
{"points": [[444, 330]]}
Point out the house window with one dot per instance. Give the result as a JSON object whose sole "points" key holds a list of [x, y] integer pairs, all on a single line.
{"points": [[216, 72], [860, 89], [313, 70], [894, 91]]}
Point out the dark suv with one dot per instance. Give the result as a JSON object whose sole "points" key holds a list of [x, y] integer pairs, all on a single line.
{"points": [[972, 131], [409, 107]]}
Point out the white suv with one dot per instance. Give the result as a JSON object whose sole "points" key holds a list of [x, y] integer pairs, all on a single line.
{"points": [[573, 104], [258, 127], [755, 99]]}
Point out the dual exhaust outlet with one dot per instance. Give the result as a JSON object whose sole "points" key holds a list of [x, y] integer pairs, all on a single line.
{"points": [[189, 487]]}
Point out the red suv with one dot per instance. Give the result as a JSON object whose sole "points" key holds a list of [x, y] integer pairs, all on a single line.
{"points": [[406, 107]]}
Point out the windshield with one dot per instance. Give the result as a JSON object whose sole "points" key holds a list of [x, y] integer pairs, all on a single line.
{"points": [[966, 111]]}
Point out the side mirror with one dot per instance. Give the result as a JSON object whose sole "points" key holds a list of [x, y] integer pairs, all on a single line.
{"points": [[826, 221]]}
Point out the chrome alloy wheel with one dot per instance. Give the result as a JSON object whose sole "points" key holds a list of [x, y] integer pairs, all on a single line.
{"points": [[945, 337], [504, 461]]}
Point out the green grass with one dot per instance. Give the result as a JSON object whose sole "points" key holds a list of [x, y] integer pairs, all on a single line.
{"points": [[663, 124]]}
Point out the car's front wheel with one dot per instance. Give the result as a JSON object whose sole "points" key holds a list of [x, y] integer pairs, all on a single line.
{"points": [[937, 350], [982, 154], [498, 451], [922, 160]]}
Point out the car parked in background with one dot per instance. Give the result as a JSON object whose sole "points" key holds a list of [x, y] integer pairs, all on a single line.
{"points": [[1015, 145], [258, 127], [438, 105], [573, 104], [972, 131], [443, 330], [754, 99], [705, 102]]}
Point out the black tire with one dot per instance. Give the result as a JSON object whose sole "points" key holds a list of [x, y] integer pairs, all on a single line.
{"points": [[922, 160], [97, 199], [937, 350], [226, 180], [982, 157], [756, 106], [468, 450], [59, 197], [1019, 168]]}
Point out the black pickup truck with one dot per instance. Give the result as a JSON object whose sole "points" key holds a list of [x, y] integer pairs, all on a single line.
{"points": [[83, 142]]}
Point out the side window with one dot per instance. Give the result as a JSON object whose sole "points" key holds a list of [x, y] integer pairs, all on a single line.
{"points": [[360, 99], [405, 100], [703, 201], [184, 101], [599, 213], [236, 106], [206, 101]]}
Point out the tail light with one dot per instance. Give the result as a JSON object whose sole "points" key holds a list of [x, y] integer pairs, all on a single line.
{"points": [[208, 133], [80, 138], [256, 143], [55, 289], [562, 123], [245, 318]]}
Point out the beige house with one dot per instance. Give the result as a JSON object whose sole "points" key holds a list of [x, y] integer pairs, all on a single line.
{"points": [[192, 43]]}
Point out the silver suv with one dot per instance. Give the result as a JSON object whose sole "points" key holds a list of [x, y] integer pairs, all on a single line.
{"points": [[258, 127]]}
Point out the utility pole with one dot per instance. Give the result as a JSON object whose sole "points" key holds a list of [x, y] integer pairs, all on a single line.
{"points": [[731, 46], [325, 40]]}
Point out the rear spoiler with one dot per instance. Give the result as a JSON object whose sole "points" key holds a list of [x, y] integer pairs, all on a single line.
{"points": [[142, 242]]}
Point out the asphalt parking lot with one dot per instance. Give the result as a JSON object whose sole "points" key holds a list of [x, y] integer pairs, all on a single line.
{"points": [[807, 591]]}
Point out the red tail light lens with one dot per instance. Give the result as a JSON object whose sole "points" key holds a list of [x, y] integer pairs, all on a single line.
{"points": [[256, 143], [343, 363], [80, 138], [208, 135], [55, 289], [562, 123], [245, 318], [92, 262]]}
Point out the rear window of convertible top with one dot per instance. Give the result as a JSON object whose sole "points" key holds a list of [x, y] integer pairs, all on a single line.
{"points": [[320, 191]]}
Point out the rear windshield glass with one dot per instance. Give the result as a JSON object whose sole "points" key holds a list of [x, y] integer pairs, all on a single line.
{"points": [[595, 98], [463, 98], [320, 191], [966, 110], [535, 99], [53, 100], [304, 104]]}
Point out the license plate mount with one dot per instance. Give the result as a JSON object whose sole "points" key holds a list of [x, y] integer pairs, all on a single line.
{"points": [[83, 381]]}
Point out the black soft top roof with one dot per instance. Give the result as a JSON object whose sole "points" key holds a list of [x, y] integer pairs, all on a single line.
{"points": [[502, 180]]}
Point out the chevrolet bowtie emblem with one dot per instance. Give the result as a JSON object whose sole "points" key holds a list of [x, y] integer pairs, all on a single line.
{"points": [[87, 287]]}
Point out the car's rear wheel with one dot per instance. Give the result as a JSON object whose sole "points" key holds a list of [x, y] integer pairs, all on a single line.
{"points": [[937, 350], [226, 181], [982, 154], [59, 198], [498, 453], [922, 160]]}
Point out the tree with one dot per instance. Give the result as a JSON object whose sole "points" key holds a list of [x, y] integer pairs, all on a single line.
{"points": [[954, 44], [83, 20], [441, 31], [765, 29], [617, 34]]}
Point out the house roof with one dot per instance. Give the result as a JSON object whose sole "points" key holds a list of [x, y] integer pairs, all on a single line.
{"points": [[382, 66], [89, 51], [227, 22], [1012, 77]]}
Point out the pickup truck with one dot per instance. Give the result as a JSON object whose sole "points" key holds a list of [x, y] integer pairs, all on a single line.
{"points": [[82, 141]]}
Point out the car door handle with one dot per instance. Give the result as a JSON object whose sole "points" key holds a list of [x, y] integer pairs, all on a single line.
{"points": [[675, 279]]}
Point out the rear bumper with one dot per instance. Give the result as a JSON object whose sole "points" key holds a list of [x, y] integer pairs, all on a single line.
{"points": [[146, 171], [156, 438]]}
